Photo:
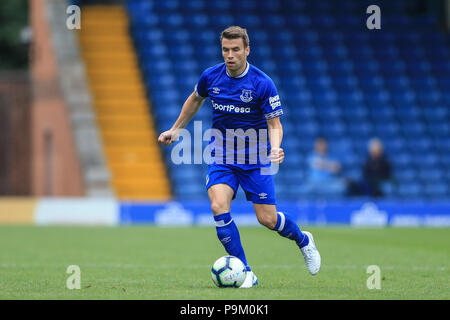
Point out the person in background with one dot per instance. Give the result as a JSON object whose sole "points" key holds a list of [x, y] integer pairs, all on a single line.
{"points": [[323, 178], [376, 170]]}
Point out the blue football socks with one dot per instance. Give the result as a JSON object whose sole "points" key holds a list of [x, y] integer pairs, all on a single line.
{"points": [[286, 227], [228, 234]]}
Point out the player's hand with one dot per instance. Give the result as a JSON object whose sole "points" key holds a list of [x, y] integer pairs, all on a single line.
{"points": [[168, 137], [276, 155]]}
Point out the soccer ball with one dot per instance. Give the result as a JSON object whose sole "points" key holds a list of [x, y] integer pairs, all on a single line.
{"points": [[228, 271]]}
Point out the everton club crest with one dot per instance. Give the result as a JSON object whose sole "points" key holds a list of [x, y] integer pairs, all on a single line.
{"points": [[246, 95]]}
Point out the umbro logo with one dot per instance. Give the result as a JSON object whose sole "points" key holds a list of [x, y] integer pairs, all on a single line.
{"points": [[216, 90], [225, 240], [262, 195]]}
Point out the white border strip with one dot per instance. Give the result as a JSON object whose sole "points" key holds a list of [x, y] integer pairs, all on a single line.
{"points": [[77, 211], [221, 223]]}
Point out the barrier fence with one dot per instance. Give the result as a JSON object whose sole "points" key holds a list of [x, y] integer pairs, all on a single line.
{"points": [[111, 212]]}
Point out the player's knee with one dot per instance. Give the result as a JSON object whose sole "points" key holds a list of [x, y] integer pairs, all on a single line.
{"points": [[267, 220], [219, 207]]}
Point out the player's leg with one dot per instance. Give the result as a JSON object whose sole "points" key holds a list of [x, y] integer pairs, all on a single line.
{"points": [[260, 189], [222, 185], [286, 227], [220, 196]]}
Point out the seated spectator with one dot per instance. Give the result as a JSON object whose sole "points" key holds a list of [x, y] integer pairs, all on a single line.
{"points": [[323, 178], [376, 170]]}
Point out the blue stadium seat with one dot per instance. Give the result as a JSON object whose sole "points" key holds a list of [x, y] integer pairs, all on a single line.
{"points": [[411, 190], [334, 79]]}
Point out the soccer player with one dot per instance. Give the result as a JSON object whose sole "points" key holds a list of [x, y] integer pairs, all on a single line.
{"points": [[243, 99]]}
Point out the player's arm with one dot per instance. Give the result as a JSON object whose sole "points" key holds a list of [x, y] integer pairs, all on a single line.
{"points": [[275, 138], [190, 108]]}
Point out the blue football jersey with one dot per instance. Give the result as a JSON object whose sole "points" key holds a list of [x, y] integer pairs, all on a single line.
{"points": [[241, 106]]}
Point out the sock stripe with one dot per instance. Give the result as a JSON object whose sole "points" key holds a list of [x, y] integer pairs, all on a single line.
{"points": [[283, 220], [221, 223]]}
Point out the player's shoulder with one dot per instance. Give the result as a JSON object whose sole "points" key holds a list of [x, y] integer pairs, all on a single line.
{"points": [[260, 77], [261, 80], [216, 69]]}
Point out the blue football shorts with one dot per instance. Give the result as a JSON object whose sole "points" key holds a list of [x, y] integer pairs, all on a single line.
{"points": [[258, 188]]}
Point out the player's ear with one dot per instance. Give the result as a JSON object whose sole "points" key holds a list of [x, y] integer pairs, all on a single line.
{"points": [[247, 51]]}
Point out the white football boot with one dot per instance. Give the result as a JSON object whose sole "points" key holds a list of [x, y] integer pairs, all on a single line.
{"points": [[311, 255], [250, 280]]}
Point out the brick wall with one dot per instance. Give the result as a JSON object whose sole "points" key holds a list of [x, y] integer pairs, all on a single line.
{"points": [[15, 148]]}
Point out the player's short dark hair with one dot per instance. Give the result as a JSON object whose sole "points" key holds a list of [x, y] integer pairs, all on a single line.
{"points": [[236, 32], [321, 139]]}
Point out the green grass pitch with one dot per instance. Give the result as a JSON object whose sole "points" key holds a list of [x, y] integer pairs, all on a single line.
{"points": [[143, 262]]}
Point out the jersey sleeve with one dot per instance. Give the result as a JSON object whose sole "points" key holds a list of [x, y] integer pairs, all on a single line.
{"points": [[201, 88], [270, 101]]}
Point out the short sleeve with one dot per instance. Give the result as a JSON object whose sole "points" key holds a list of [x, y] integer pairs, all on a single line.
{"points": [[201, 88], [270, 101]]}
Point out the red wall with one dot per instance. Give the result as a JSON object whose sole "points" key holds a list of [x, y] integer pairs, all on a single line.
{"points": [[55, 167]]}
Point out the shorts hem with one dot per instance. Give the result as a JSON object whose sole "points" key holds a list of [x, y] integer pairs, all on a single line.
{"points": [[262, 202]]}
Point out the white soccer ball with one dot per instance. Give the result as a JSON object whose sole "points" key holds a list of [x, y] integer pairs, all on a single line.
{"points": [[228, 271]]}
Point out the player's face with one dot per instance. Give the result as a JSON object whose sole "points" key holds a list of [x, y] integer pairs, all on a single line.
{"points": [[376, 150], [321, 147], [235, 55]]}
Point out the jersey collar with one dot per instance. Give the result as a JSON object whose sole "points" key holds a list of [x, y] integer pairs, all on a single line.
{"points": [[242, 74]]}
